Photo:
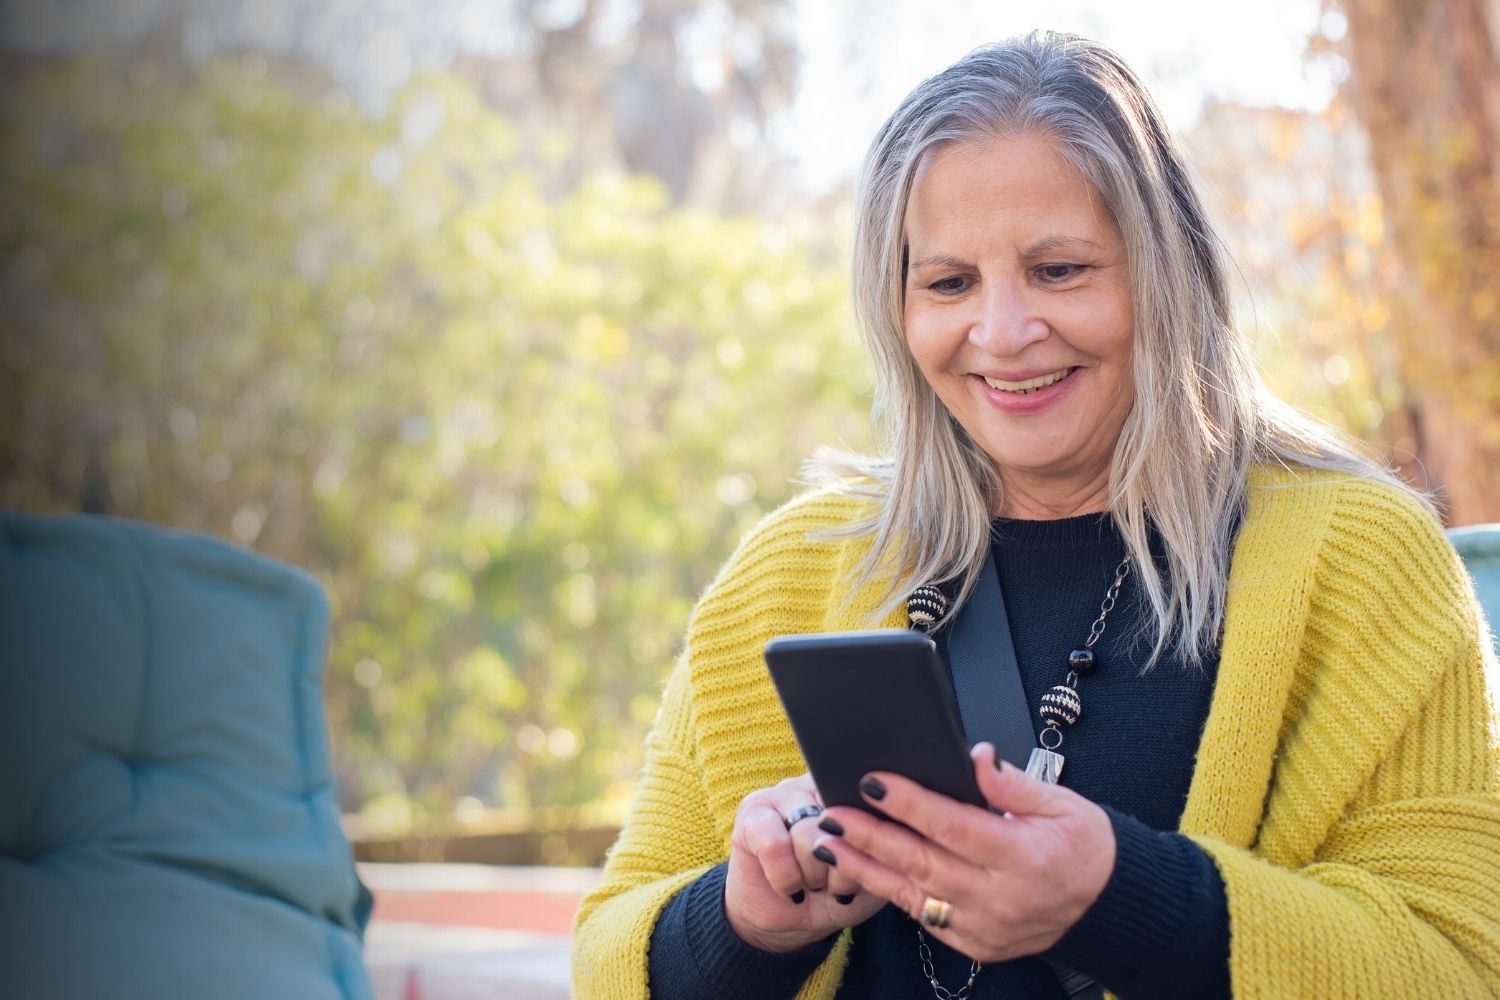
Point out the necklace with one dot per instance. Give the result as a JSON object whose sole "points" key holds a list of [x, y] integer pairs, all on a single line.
{"points": [[1059, 707], [924, 952]]}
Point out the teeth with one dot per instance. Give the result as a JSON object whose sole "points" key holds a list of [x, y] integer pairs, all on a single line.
{"points": [[1031, 384]]}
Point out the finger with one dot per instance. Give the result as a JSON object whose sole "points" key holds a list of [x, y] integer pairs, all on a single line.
{"points": [[958, 829], [797, 791], [868, 875], [1008, 790], [878, 881], [788, 799], [928, 868], [762, 833], [804, 834], [842, 886]]}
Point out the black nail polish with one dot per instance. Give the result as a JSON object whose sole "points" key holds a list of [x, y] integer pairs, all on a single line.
{"points": [[873, 788], [799, 895], [830, 825], [845, 900], [824, 855]]}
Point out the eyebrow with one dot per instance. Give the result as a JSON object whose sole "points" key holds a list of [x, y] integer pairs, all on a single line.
{"points": [[936, 260], [1047, 244]]}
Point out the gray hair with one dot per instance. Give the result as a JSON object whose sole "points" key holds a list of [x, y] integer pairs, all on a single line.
{"points": [[1201, 417]]}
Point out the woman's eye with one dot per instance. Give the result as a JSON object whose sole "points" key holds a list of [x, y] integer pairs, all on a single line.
{"points": [[1058, 272], [950, 286]]}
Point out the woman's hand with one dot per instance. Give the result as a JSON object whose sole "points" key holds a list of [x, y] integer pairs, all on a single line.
{"points": [[1017, 878], [777, 896]]}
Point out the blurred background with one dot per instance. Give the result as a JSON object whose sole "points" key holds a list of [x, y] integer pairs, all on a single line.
{"points": [[505, 319]]}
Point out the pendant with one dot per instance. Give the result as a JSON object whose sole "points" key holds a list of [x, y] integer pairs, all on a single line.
{"points": [[1045, 765]]}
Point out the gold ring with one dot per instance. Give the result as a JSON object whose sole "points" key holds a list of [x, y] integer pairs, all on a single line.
{"points": [[802, 812], [936, 912]]}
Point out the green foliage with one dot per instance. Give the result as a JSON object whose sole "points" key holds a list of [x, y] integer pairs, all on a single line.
{"points": [[512, 431]]}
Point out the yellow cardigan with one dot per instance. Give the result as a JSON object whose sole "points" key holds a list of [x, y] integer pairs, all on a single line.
{"points": [[1347, 785]]}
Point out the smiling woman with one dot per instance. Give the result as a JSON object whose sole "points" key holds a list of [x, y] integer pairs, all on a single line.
{"points": [[1271, 636], [1018, 313]]}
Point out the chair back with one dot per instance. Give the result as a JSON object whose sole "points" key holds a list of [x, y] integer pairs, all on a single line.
{"points": [[168, 824]]}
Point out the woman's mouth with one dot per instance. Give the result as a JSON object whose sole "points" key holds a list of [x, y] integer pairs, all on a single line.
{"points": [[1029, 385]]}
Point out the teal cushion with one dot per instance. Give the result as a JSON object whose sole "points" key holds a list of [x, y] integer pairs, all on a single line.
{"points": [[168, 824], [1479, 545]]}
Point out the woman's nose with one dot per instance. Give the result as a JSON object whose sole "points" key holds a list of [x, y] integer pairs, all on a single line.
{"points": [[1007, 322]]}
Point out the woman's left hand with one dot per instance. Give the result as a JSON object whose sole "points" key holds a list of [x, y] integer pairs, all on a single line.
{"points": [[1017, 882]]}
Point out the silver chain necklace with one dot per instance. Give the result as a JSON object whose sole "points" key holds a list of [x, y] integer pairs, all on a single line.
{"points": [[930, 971]]}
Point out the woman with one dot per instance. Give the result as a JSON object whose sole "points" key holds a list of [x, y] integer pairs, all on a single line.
{"points": [[1284, 783]]}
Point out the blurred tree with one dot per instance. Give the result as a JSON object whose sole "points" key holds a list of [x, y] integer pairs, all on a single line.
{"points": [[686, 94], [1303, 222], [684, 90], [512, 433], [1425, 81]]}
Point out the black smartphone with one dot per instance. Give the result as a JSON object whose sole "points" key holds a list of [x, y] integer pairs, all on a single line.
{"points": [[877, 700]]}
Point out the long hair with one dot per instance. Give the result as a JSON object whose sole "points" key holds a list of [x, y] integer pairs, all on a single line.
{"points": [[1201, 417]]}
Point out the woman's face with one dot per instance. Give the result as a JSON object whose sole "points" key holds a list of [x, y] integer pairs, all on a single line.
{"points": [[1018, 312]]}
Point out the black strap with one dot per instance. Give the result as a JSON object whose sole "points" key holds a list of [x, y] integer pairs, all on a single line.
{"points": [[986, 677], [992, 702]]}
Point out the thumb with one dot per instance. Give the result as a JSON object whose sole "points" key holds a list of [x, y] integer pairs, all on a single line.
{"points": [[1007, 788]]}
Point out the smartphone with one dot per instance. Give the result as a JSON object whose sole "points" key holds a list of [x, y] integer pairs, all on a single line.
{"points": [[867, 701]]}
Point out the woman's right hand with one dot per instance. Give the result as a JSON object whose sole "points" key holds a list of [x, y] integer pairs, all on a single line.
{"points": [[778, 896]]}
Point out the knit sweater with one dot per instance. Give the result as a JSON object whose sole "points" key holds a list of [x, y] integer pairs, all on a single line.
{"points": [[1347, 784], [1159, 929]]}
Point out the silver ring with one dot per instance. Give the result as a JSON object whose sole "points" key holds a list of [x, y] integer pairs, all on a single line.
{"points": [[936, 912], [801, 813]]}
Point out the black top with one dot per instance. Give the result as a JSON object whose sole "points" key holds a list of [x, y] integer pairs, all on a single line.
{"points": [[1161, 926]]}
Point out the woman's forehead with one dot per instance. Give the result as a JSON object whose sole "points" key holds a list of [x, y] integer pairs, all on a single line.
{"points": [[1019, 184]]}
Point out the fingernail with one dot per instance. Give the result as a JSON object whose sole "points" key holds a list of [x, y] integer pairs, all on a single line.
{"points": [[824, 855], [999, 761], [846, 900], [830, 825], [799, 895], [873, 788]]}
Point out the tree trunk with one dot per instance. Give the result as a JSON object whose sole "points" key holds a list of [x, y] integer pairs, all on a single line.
{"points": [[1425, 81]]}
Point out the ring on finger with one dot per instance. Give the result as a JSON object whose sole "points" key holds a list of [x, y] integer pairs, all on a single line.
{"points": [[801, 813], [936, 912]]}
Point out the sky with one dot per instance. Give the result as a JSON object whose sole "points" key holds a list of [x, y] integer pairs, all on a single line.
{"points": [[860, 59]]}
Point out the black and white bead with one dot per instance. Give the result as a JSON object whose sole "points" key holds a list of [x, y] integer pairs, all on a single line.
{"points": [[926, 607], [1061, 706]]}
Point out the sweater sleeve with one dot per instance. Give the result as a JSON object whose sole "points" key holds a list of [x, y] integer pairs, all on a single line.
{"points": [[1160, 928], [668, 841], [719, 734], [1376, 868], [695, 953]]}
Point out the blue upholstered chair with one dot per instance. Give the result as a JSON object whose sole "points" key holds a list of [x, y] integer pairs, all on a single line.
{"points": [[168, 826], [1479, 545]]}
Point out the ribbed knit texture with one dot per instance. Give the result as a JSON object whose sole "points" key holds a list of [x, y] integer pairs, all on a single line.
{"points": [[1347, 784]]}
